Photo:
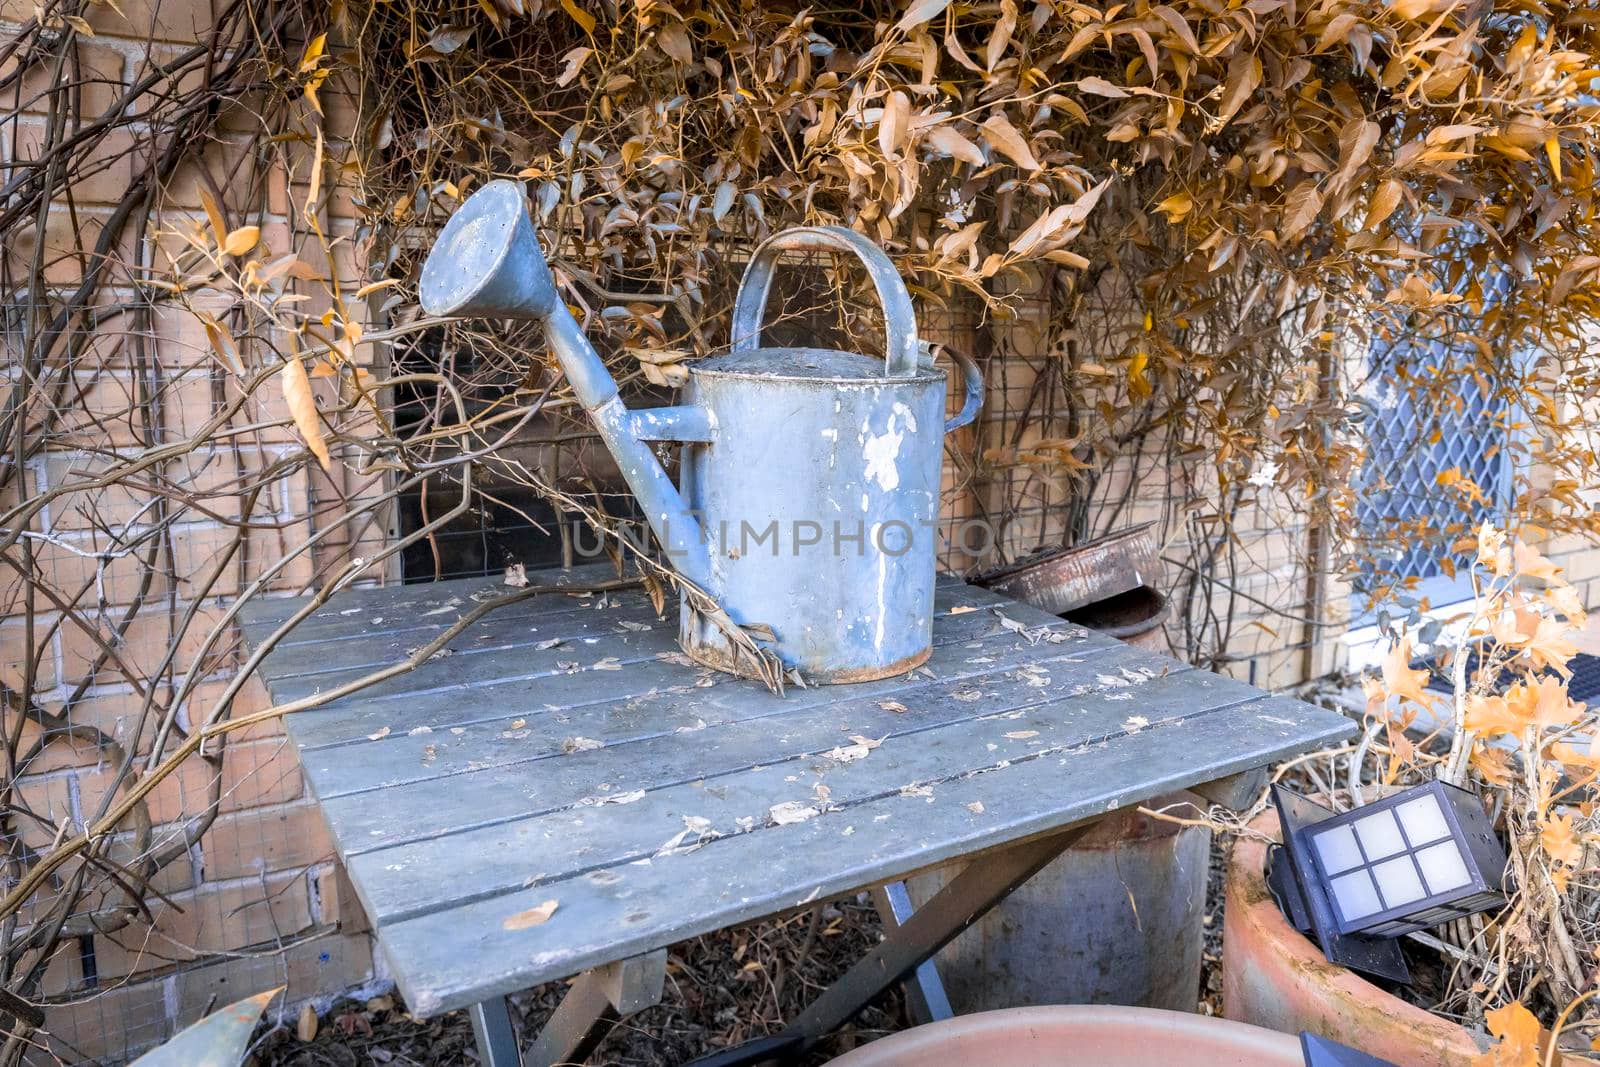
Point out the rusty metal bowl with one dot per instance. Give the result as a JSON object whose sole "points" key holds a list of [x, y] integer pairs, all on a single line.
{"points": [[1059, 580]]}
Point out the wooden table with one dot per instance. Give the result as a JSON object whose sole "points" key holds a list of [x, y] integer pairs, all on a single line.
{"points": [[564, 751]]}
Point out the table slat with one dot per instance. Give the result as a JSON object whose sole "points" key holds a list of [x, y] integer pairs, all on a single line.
{"points": [[450, 958], [438, 738], [575, 826]]}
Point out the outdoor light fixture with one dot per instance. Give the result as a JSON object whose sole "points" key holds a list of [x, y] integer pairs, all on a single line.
{"points": [[1406, 862], [1320, 1052]]}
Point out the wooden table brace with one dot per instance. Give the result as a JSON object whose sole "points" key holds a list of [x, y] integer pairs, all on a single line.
{"points": [[963, 901], [582, 1019]]}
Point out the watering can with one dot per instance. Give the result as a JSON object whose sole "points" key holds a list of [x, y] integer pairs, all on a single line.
{"points": [[810, 477]]}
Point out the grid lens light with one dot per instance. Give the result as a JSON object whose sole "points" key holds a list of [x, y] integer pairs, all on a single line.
{"points": [[1406, 862]]}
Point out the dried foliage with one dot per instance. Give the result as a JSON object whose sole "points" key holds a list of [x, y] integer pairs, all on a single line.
{"points": [[1210, 212], [1509, 730]]}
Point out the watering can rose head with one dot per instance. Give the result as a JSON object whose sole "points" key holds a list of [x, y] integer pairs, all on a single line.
{"points": [[837, 451]]}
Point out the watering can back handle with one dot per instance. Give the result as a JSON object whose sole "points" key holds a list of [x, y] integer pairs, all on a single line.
{"points": [[972, 382], [899, 320]]}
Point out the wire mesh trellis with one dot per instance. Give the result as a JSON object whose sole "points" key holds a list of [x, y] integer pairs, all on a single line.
{"points": [[1438, 462]]}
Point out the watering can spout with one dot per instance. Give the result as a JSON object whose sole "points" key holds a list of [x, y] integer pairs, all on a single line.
{"points": [[487, 264]]}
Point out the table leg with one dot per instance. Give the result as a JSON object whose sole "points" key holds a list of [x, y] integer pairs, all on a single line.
{"points": [[963, 901], [1236, 791], [497, 1041], [926, 1001], [585, 1013]]}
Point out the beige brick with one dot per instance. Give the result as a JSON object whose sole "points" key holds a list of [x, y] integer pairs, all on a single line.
{"points": [[183, 794], [18, 654], [115, 714], [289, 184], [47, 800], [199, 550], [1582, 566], [63, 973], [211, 920], [111, 1024], [94, 70], [74, 572], [289, 837], [186, 80], [218, 478], [230, 170], [180, 21], [336, 900], [253, 775], [103, 170], [145, 642], [260, 773], [252, 697], [107, 409], [111, 506], [313, 966]]}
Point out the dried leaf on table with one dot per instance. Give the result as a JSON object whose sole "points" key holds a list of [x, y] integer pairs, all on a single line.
{"points": [[535, 916]]}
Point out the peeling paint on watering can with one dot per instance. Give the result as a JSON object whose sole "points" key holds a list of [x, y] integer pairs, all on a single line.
{"points": [[810, 476]]}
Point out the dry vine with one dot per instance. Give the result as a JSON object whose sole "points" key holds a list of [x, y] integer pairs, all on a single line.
{"points": [[1207, 211]]}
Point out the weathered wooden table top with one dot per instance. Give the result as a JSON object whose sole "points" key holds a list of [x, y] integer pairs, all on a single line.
{"points": [[564, 749]]}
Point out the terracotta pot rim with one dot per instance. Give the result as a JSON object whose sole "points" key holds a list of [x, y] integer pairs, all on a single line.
{"points": [[1157, 1029]]}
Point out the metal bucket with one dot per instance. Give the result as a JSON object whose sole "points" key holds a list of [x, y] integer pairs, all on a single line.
{"points": [[1116, 919], [1135, 617], [1110, 584], [810, 476]]}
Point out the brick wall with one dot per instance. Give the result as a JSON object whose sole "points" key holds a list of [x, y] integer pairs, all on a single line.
{"points": [[257, 902]]}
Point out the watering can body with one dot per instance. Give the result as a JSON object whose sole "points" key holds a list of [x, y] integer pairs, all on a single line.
{"points": [[810, 477]]}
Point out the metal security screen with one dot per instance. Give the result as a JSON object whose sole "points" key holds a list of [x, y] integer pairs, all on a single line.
{"points": [[1437, 464]]}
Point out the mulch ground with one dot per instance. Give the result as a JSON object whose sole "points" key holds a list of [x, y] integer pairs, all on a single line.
{"points": [[721, 990]]}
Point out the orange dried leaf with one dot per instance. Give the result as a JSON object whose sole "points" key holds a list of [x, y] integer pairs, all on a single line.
{"points": [[536, 916], [1244, 75], [945, 140], [1176, 206], [1518, 1032], [1530, 563], [1550, 644], [219, 226], [313, 53], [1490, 716], [919, 12], [1560, 841], [1400, 680], [1005, 139], [1543, 705], [578, 15], [1384, 201], [242, 240], [303, 408]]}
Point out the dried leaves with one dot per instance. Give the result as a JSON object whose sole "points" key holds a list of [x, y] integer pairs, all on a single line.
{"points": [[535, 916], [1515, 735], [303, 408]]}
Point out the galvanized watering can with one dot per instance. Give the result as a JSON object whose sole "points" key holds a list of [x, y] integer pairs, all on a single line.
{"points": [[810, 476]]}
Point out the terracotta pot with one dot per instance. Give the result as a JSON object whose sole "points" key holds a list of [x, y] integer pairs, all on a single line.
{"points": [[1081, 1033], [1273, 976]]}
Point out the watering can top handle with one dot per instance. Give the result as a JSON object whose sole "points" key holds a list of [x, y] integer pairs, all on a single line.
{"points": [[899, 319]]}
